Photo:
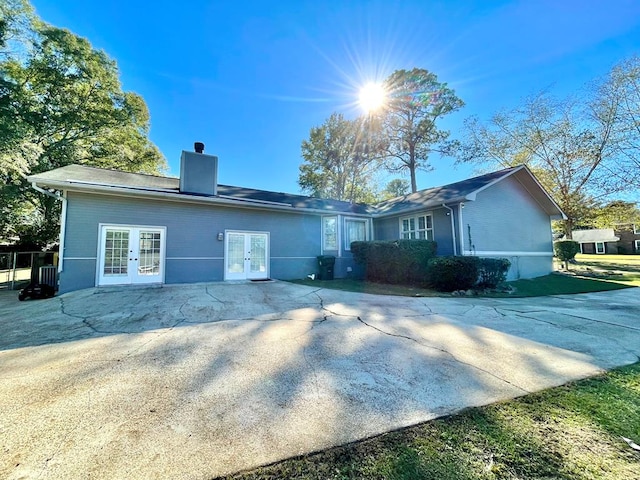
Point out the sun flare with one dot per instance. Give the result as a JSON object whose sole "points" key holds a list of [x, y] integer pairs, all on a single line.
{"points": [[372, 97]]}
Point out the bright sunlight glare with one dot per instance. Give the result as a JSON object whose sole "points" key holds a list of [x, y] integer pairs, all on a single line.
{"points": [[372, 97]]}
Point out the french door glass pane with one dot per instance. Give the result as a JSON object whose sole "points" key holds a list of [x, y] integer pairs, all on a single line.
{"points": [[235, 256], [149, 253], [116, 255], [258, 253]]}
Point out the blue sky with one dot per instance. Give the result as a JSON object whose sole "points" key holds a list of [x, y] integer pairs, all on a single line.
{"points": [[250, 79]]}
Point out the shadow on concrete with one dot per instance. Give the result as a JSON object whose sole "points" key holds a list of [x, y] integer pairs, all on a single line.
{"points": [[212, 379]]}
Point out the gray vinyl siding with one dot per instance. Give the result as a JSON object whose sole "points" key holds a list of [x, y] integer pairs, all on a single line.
{"points": [[505, 218], [191, 231], [388, 228]]}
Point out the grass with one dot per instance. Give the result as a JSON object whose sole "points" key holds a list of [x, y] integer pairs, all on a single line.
{"points": [[624, 269], [555, 284], [570, 432]]}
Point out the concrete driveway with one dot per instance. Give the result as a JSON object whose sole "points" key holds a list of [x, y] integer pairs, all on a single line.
{"points": [[198, 381]]}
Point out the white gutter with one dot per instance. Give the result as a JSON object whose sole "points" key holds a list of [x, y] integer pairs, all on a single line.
{"points": [[460, 226], [63, 220], [453, 229]]}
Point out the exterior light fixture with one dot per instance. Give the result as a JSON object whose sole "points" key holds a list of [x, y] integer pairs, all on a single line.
{"points": [[220, 236]]}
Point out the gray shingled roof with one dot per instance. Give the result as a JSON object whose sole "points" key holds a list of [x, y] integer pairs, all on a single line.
{"points": [[594, 235], [450, 194], [87, 177]]}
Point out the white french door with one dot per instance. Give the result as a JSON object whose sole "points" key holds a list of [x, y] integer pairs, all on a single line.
{"points": [[131, 255], [246, 256]]}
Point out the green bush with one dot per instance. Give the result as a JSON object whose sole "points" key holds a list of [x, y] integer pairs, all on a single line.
{"points": [[395, 262], [566, 251], [492, 272], [447, 274]]}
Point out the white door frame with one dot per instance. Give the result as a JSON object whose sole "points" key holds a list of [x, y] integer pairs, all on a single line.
{"points": [[133, 265], [244, 269]]}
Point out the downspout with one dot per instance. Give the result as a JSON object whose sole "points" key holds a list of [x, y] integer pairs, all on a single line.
{"points": [[63, 220], [460, 227], [453, 229]]}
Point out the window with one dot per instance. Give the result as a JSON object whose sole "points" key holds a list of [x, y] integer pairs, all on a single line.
{"points": [[354, 230], [636, 229], [599, 247], [417, 227], [330, 233], [637, 246]]}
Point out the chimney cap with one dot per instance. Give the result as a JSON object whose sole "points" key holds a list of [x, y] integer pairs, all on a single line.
{"points": [[198, 147]]}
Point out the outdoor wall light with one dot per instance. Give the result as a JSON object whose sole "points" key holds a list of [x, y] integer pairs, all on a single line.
{"points": [[220, 236]]}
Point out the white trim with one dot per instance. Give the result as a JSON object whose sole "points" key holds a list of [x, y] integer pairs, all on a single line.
{"points": [[99, 259], [247, 273], [340, 220], [493, 253], [461, 227], [347, 248], [63, 231], [322, 233], [637, 246], [604, 248], [415, 216], [636, 229]]}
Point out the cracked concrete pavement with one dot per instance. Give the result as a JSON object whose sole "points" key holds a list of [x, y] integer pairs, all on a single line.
{"points": [[196, 381]]}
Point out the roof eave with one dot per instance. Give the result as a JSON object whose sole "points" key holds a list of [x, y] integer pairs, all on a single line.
{"points": [[180, 197]]}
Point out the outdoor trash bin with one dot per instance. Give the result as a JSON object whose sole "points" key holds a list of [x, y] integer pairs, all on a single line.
{"points": [[326, 263]]}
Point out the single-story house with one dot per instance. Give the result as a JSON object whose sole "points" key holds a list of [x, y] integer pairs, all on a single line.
{"points": [[624, 238], [125, 228]]}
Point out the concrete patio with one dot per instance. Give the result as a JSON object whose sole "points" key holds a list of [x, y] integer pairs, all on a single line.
{"points": [[196, 381]]}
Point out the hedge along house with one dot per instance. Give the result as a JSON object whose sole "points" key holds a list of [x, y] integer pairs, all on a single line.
{"points": [[122, 228]]}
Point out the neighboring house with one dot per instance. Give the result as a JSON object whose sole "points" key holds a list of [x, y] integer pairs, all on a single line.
{"points": [[124, 228], [624, 238]]}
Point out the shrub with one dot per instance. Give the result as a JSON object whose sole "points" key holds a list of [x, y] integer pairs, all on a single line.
{"points": [[492, 272], [566, 251], [447, 274], [396, 262]]}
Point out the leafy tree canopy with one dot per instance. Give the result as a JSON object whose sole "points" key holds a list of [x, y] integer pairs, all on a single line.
{"points": [[340, 159], [416, 102], [618, 212], [61, 102], [397, 187], [583, 149]]}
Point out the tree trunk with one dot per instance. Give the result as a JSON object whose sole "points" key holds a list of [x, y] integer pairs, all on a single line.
{"points": [[412, 168]]}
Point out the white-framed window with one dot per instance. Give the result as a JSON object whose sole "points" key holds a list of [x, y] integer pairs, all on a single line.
{"points": [[637, 246], [419, 226], [636, 229], [329, 233], [355, 229], [600, 247]]}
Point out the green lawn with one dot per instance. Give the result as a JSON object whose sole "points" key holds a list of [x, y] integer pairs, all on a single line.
{"points": [[623, 269], [556, 284], [570, 432]]}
